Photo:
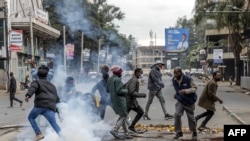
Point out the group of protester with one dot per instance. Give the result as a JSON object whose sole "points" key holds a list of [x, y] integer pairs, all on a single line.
{"points": [[122, 97]]}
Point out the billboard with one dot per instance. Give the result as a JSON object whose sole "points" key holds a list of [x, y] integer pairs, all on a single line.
{"points": [[176, 39]]}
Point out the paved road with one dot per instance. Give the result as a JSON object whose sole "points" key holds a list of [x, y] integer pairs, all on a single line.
{"points": [[76, 124]]}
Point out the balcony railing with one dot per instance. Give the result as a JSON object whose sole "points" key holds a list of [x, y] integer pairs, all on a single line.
{"points": [[226, 49]]}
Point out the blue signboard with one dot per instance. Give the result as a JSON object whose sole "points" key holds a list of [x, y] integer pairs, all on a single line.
{"points": [[176, 39]]}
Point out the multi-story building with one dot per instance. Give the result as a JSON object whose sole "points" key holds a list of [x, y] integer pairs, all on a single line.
{"points": [[145, 56], [29, 18], [222, 49]]}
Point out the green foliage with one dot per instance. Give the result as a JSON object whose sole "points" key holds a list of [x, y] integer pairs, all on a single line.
{"points": [[99, 15], [196, 41], [228, 14]]}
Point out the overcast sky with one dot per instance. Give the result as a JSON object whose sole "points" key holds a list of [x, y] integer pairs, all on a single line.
{"points": [[141, 16]]}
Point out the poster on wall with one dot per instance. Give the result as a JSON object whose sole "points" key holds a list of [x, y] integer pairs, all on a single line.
{"points": [[218, 56], [16, 40], [70, 49], [176, 39]]}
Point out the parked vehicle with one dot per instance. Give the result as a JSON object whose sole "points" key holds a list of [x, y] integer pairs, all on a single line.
{"points": [[93, 76], [24, 85]]}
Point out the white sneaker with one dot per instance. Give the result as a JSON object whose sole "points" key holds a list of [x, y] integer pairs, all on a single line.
{"points": [[39, 137]]}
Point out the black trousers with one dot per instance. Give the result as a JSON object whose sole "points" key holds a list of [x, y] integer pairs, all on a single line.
{"points": [[138, 116], [208, 115], [12, 97]]}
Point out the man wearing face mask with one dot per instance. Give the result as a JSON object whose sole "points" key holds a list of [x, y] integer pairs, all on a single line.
{"points": [[133, 93], [117, 92], [155, 84], [207, 100]]}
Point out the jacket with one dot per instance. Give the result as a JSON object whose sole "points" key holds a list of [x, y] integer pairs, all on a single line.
{"points": [[12, 84], [101, 86], [154, 79], [133, 92], [117, 94], [208, 96], [187, 84], [45, 94]]}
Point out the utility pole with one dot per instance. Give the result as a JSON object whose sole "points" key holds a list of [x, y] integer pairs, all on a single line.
{"points": [[6, 31], [64, 54], [31, 36], [82, 41]]}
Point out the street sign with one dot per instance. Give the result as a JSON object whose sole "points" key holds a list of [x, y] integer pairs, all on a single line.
{"points": [[16, 40]]}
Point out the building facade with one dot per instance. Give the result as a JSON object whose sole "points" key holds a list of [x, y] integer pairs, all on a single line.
{"points": [[145, 56], [29, 18], [220, 54]]}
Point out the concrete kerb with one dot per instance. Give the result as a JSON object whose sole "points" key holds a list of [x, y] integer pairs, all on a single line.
{"points": [[238, 119]]}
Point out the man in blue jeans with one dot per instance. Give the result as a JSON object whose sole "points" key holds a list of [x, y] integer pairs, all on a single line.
{"points": [[45, 102]]}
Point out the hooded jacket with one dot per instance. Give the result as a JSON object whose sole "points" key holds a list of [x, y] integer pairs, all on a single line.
{"points": [[155, 78]]}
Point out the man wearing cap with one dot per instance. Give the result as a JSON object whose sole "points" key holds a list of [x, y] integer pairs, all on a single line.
{"points": [[155, 84], [117, 92], [45, 64]]}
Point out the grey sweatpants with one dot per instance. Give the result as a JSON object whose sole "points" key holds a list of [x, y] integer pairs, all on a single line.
{"points": [[151, 96], [179, 111]]}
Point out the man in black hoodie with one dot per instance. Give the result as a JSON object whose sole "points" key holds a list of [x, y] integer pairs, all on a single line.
{"points": [[45, 102]]}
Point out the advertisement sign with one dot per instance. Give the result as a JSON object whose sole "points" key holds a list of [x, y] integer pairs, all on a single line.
{"points": [[176, 39], [41, 16], [16, 40], [70, 51], [202, 55], [218, 56], [169, 64]]}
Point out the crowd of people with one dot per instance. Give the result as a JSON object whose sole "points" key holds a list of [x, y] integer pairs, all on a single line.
{"points": [[121, 97]]}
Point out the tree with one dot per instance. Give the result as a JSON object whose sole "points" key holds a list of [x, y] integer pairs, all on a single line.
{"points": [[81, 16], [236, 22]]}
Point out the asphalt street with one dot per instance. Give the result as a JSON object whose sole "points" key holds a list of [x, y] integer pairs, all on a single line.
{"points": [[235, 110]]}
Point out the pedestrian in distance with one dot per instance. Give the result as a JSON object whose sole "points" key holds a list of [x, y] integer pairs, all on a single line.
{"points": [[117, 92], [186, 97], [34, 71], [155, 85], [101, 86], [207, 100], [45, 102], [133, 93], [12, 89]]}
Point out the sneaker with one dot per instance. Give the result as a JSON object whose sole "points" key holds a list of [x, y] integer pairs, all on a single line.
{"points": [[115, 134], [201, 128], [178, 135], [127, 136], [132, 129], [194, 136], [39, 137], [168, 116], [146, 117]]}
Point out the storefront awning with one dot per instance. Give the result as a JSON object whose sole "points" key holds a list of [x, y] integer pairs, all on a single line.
{"points": [[39, 29]]}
